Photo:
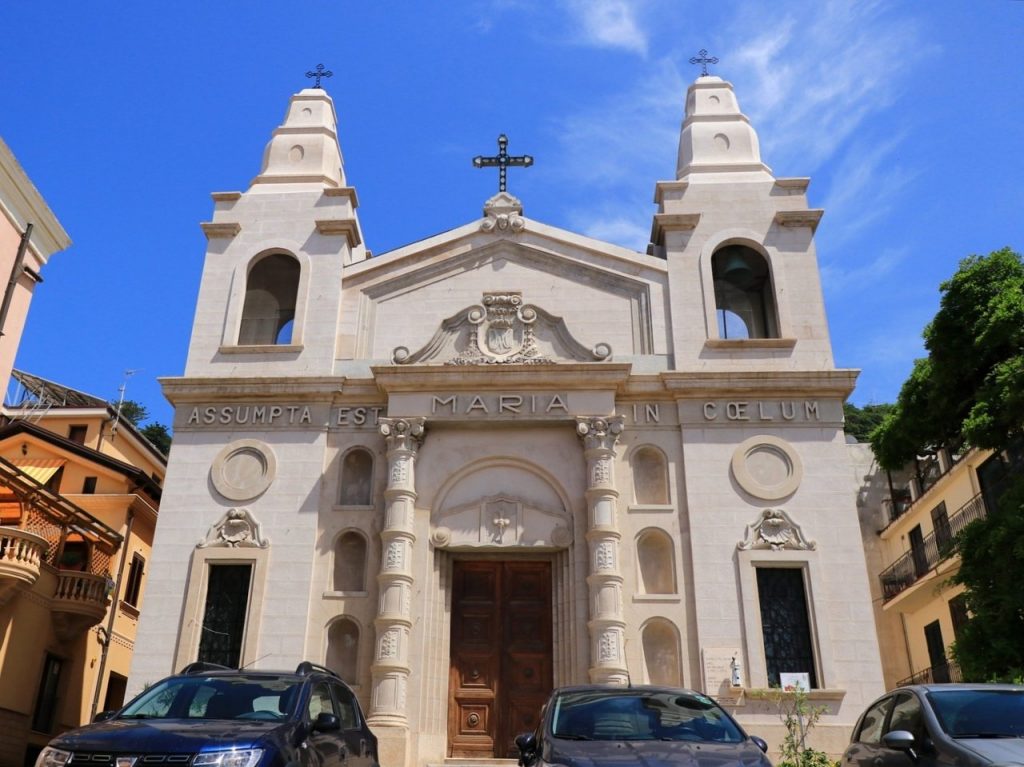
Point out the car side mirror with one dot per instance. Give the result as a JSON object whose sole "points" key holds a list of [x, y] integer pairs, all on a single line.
{"points": [[326, 722], [761, 743], [103, 716], [900, 740], [527, 745]]}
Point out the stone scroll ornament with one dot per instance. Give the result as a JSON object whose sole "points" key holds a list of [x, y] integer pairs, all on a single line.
{"points": [[501, 329], [774, 530], [236, 529]]}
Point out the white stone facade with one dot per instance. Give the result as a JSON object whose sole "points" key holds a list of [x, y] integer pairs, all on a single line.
{"points": [[508, 391]]}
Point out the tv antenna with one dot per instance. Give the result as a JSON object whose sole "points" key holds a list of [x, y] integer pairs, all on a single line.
{"points": [[120, 400]]}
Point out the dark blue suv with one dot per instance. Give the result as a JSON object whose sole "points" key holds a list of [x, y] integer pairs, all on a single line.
{"points": [[211, 716]]}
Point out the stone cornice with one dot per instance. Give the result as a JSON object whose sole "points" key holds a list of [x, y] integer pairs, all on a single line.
{"points": [[343, 191], [668, 186], [347, 227], [217, 229], [797, 184], [568, 377], [225, 196], [786, 383], [187, 390], [672, 222], [22, 203], [809, 218]]}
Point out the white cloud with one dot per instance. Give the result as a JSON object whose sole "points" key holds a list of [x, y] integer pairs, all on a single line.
{"points": [[608, 24], [623, 230], [837, 278]]}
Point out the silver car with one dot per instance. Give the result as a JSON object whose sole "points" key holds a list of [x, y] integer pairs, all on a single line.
{"points": [[968, 725]]}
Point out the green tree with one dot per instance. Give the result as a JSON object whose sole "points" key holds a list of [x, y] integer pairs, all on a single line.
{"points": [[971, 388], [861, 421], [158, 434], [136, 413]]}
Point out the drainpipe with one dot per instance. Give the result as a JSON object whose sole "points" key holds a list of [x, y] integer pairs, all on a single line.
{"points": [[16, 271], [108, 632]]}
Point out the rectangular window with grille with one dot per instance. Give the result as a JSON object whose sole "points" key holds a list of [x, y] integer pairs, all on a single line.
{"points": [[785, 623], [227, 606]]}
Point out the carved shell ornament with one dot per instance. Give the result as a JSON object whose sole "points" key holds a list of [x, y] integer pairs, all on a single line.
{"points": [[774, 530], [502, 329], [236, 529]]}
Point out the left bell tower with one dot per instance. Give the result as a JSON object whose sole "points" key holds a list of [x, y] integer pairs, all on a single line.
{"points": [[271, 285]]}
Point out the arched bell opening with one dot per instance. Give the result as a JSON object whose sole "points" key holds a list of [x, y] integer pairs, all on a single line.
{"points": [[744, 294]]}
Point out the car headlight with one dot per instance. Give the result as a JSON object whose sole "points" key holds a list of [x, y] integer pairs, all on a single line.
{"points": [[52, 757], [249, 757]]}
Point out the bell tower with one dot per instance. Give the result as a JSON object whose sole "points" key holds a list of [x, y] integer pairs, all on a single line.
{"points": [[739, 244]]}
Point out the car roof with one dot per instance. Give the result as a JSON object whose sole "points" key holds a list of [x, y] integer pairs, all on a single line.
{"points": [[620, 690], [962, 686]]}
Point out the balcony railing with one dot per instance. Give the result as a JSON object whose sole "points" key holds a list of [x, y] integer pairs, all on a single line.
{"points": [[20, 555], [79, 602], [941, 674], [936, 546]]}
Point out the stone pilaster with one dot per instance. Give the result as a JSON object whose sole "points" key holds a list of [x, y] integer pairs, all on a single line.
{"points": [[607, 623], [394, 611]]}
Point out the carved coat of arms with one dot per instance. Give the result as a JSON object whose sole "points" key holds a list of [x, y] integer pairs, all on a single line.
{"points": [[504, 331]]}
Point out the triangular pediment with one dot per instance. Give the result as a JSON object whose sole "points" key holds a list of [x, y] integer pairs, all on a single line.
{"points": [[582, 299]]}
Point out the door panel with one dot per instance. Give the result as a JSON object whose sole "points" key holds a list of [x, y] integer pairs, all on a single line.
{"points": [[500, 672]]}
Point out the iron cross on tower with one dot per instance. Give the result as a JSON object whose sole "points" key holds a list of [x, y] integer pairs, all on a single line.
{"points": [[318, 74], [503, 160], [703, 59]]}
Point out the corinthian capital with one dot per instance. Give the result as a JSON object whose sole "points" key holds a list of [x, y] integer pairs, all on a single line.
{"points": [[402, 433], [598, 431]]}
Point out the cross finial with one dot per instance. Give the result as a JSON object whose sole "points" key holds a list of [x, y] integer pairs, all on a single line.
{"points": [[319, 73], [503, 160], [703, 59]]}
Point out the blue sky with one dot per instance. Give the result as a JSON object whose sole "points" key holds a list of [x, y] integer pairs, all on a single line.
{"points": [[908, 116]]}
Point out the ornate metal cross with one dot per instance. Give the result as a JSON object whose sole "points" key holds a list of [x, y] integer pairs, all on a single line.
{"points": [[318, 74], [503, 160], [704, 60]]}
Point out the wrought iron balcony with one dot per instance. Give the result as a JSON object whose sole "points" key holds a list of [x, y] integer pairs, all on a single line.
{"points": [[79, 602], [941, 674], [21, 553], [936, 546]]}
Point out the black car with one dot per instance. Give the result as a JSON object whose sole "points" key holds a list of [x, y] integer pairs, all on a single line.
{"points": [[637, 726], [210, 716], [971, 725]]}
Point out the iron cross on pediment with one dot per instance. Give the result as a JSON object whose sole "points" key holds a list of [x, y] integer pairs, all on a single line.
{"points": [[318, 74], [502, 161]]}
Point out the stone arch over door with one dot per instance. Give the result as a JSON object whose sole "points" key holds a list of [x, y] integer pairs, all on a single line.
{"points": [[502, 503]]}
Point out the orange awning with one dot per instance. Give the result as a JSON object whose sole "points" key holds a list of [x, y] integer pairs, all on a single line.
{"points": [[40, 469]]}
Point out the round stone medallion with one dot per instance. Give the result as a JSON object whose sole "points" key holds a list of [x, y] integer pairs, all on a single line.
{"points": [[243, 469], [767, 467]]}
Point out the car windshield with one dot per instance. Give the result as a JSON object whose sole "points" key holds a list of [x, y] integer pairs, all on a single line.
{"points": [[641, 715], [993, 713], [261, 698]]}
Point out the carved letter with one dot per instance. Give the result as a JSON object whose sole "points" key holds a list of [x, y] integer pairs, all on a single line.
{"points": [[710, 411], [509, 402], [811, 408], [306, 416], [259, 414], [210, 415], [652, 414], [556, 402], [764, 415], [242, 415], [448, 402], [225, 415], [477, 403], [194, 417], [359, 416], [736, 411], [788, 413]]}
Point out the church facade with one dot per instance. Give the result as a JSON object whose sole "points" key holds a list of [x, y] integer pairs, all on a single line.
{"points": [[511, 457]]}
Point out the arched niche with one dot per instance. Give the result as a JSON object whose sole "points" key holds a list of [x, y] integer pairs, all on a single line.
{"points": [[650, 476], [661, 653], [654, 555], [271, 295], [343, 649], [356, 478], [349, 562], [744, 293]]}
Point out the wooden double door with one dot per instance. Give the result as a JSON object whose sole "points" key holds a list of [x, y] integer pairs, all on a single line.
{"points": [[500, 673]]}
